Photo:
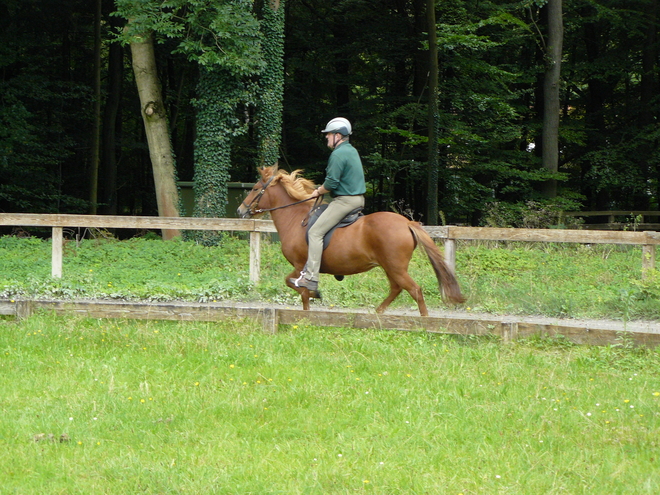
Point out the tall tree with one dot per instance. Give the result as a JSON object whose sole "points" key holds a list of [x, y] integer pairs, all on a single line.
{"points": [[551, 87], [95, 147], [111, 127], [220, 93], [433, 119], [156, 128], [224, 40]]}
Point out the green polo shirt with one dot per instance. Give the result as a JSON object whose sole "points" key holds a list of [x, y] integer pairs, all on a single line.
{"points": [[344, 175]]}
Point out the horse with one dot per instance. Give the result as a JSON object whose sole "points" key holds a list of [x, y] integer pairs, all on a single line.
{"points": [[384, 239]]}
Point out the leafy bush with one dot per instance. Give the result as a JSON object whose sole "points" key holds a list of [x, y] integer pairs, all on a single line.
{"points": [[542, 214]]}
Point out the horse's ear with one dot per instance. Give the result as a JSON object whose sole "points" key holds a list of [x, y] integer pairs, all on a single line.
{"points": [[268, 172]]}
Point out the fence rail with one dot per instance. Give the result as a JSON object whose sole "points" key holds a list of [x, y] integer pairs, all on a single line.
{"points": [[638, 219], [447, 322], [448, 234]]}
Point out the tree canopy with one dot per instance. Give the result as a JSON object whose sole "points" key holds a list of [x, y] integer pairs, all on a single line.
{"points": [[366, 60]]}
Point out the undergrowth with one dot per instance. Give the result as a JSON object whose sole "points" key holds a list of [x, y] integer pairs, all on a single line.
{"points": [[559, 280]]}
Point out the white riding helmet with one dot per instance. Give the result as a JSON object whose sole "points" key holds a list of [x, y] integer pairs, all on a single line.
{"points": [[340, 125]]}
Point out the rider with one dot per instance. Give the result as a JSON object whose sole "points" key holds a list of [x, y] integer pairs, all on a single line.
{"points": [[344, 180]]}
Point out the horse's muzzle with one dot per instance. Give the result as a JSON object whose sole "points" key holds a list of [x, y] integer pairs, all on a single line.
{"points": [[243, 212]]}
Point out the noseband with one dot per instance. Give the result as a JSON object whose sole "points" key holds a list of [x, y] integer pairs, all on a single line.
{"points": [[255, 201]]}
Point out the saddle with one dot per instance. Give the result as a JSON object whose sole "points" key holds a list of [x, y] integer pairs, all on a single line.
{"points": [[349, 219]]}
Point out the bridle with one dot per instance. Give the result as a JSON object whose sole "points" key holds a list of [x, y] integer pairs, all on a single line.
{"points": [[255, 201], [257, 198]]}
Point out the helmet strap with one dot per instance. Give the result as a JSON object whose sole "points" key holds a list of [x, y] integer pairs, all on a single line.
{"points": [[334, 139]]}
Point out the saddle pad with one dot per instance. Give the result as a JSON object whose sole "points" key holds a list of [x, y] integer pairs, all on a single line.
{"points": [[349, 219]]}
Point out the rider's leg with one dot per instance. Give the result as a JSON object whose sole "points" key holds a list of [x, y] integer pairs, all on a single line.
{"points": [[336, 211]]}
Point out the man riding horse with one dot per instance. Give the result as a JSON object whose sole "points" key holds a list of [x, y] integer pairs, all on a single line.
{"points": [[344, 180]]}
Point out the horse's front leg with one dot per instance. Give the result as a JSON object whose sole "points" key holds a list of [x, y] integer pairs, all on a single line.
{"points": [[304, 293]]}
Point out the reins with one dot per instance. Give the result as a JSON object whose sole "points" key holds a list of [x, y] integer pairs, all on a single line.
{"points": [[263, 210]]}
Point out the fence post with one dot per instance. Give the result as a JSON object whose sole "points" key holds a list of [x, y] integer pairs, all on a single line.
{"points": [[255, 256], [648, 259], [450, 254], [56, 263], [24, 309], [270, 318]]}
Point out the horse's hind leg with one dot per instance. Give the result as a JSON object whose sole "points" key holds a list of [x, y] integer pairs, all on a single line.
{"points": [[395, 290], [401, 281]]}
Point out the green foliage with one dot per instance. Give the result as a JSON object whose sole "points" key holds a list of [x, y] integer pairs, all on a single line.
{"points": [[648, 288], [220, 94], [363, 60], [223, 38], [541, 214], [211, 33], [42, 113]]}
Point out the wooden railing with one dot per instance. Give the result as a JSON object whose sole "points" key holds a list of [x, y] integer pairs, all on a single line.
{"points": [[648, 240], [638, 220], [449, 234]]}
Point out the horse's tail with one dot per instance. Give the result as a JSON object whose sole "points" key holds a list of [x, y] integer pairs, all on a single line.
{"points": [[446, 278]]}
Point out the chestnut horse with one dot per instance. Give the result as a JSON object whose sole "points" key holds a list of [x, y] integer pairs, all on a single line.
{"points": [[383, 239]]}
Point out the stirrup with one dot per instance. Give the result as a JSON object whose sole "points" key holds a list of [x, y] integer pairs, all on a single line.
{"points": [[299, 279]]}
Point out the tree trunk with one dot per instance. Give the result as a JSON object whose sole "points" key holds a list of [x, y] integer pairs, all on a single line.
{"points": [[156, 129], [551, 102], [433, 118], [649, 56], [111, 126], [96, 115]]}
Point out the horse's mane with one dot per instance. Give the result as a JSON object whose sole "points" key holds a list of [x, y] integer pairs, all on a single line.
{"points": [[298, 187]]}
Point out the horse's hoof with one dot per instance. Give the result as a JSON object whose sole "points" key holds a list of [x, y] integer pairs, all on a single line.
{"points": [[314, 294], [339, 277]]}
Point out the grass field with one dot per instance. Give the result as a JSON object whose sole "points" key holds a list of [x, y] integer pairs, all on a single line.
{"points": [[559, 280], [166, 407]]}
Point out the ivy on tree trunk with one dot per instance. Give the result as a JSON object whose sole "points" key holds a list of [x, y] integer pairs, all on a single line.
{"points": [[219, 95], [269, 112]]}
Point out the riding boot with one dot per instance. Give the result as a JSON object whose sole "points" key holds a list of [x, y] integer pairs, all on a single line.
{"points": [[311, 285]]}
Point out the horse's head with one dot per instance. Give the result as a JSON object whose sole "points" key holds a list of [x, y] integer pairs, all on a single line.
{"points": [[250, 205], [291, 190]]}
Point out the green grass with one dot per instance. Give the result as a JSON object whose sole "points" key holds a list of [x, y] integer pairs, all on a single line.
{"points": [[560, 280], [166, 407]]}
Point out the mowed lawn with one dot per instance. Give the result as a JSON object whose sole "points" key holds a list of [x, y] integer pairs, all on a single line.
{"points": [[92, 406]]}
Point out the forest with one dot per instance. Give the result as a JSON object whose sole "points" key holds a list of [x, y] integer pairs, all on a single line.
{"points": [[450, 102]]}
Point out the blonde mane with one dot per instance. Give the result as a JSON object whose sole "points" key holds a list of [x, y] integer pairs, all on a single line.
{"points": [[298, 187]]}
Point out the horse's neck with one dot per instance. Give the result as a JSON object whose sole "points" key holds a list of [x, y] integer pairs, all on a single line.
{"points": [[288, 220]]}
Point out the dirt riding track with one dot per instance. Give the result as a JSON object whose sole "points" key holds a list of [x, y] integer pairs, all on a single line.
{"points": [[593, 332]]}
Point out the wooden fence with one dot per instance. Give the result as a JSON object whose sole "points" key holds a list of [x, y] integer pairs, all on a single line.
{"points": [[632, 219], [448, 234], [507, 328]]}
